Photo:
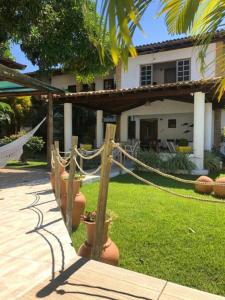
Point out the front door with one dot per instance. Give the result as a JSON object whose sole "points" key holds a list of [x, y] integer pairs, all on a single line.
{"points": [[149, 133]]}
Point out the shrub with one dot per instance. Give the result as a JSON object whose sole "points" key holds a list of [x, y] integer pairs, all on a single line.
{"points": [[35, 144], [212, 161], [180, 161], [149, 157]]}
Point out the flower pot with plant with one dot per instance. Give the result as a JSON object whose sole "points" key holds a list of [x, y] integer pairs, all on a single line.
{"points": [[110, 252]]}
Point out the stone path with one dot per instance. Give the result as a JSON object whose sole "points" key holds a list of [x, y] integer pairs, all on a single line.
{"points": [[38, 261]]}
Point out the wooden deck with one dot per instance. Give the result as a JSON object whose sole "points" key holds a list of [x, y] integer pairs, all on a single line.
{"points": [[37, 260]]}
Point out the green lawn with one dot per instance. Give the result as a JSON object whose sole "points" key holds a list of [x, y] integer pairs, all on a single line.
{"points": [[14, 164], [162, 235]]}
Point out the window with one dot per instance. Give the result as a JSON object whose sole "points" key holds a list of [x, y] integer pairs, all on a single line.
{"points": [[146, 74], [72, 88], [88, 87], [172, 123], [109, 84], [183, 70]]}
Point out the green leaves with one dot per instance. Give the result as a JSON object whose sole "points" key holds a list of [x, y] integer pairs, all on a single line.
{"points": [[121, 19], [6, 112]]}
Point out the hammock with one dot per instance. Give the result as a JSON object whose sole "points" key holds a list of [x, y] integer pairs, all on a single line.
{"points": [[14, 150]]}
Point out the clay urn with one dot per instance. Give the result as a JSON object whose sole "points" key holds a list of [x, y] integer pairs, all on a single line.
{"points": [[52, 176], [203, 188], [219, 190], [110, 252], [63, 191], [79, 203], [79, 200]]}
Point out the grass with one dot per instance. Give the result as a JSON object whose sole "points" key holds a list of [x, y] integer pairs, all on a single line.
{"points": [[30, 164], [162, 235]]}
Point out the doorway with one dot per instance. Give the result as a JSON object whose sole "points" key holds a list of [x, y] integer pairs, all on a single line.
{"points": [[149, 133]]}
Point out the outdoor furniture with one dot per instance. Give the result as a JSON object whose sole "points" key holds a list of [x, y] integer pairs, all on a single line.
{"points": [[171, 147]]}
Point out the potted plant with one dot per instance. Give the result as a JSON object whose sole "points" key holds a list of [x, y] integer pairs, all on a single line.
{"points": [[110, 252], [183, 146]]}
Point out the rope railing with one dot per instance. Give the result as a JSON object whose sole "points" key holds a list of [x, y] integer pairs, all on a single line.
{"points": [[137, 161], [84, 172], [163, 188], [89, 157]]}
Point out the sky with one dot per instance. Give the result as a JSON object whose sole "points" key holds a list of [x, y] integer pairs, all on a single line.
{"points": [[154, 31]]}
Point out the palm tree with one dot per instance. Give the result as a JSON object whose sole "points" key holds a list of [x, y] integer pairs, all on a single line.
{"points": [[199, 18]]}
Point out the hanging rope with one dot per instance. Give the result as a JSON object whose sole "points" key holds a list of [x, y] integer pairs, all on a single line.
{"points": [[116, 145], [96, 153], [165, 189], [86, 173]]}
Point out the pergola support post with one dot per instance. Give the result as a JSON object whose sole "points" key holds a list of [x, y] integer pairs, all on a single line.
{"points": [[208, 126], [99, 128], [199, 128], [68, 126], [49, 127]]}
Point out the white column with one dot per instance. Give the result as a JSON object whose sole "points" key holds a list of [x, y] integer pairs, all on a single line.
{"points": [[208, 126], [137, 128], [68, 127], [123, 127], [199, 122], [99, 128]]}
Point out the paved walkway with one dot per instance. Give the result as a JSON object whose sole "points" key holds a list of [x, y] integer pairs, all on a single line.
{"points": [[38, 261]]}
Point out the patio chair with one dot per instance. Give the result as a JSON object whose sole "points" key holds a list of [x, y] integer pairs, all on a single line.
{"points": [[170, 145]]}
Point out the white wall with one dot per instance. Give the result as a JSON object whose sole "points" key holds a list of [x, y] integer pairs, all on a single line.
{"points": [[165, 133], [131, 78], [62, 81], [162, 107], [164, 110]]}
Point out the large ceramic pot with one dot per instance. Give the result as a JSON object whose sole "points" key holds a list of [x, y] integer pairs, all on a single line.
{"points": [[219, 190], [63, 191], [52, 176], [203, 188], [79, 203], [110, 252], [79, 200]]}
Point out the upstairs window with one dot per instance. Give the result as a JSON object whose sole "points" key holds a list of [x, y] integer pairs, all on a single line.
{"points": [[146, 74], [109, 84], [88, 87], [183, 70], [72, 88]]}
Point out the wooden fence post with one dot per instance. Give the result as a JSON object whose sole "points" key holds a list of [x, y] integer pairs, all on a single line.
{"points": [[57, 174], [103, 191], [70, 191]]}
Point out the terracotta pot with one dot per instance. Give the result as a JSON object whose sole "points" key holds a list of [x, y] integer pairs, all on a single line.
{"points": [[110, 252], [52, 176], [219, 190], [79, 200], [79, 203], [52, 179], [204, 189], [63, 191]]}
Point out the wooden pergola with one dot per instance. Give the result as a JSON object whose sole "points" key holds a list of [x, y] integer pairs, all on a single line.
{"points": [[14, 83], [118, 101]]}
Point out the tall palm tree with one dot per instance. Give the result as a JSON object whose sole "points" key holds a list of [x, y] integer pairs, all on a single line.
{"points": [[199, 18]]}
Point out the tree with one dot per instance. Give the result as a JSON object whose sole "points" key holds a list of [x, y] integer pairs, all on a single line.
{"points": [[21, 107], [199, 18], [6, 113], [56, 33]]}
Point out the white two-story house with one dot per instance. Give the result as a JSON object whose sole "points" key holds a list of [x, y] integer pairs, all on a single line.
{"points": [[162, 97]]}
